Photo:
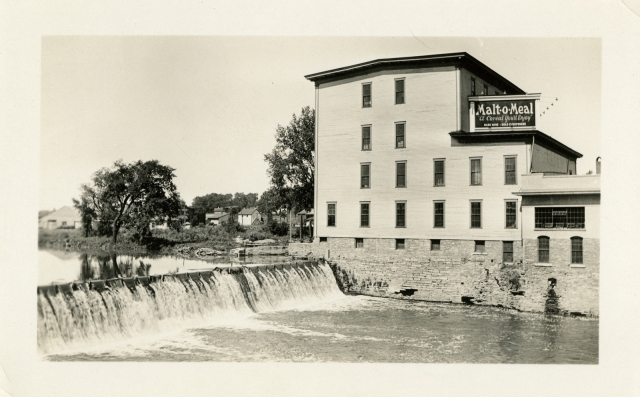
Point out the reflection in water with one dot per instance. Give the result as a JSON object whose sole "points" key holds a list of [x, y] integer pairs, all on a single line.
{"points": [[102, 267]]}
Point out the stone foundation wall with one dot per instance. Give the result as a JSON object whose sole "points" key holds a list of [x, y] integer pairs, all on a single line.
{"points": [[457, 274]]}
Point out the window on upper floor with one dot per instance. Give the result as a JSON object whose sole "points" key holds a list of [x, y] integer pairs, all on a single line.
{"points": [[496, 92], [476, 171], [401, 174], [331, 214], [399, 91], [476, 214], [510, 170], [485, 89], [366, 95], [438, 214], [473, 86], [543, 249], [438, 172], [401, 212], [365, 176], [559, 218], [511, 214], [366, 137], [576, 249], [400, 136]]}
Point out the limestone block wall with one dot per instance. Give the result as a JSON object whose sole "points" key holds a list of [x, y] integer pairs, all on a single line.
{"points": [[457, 274]]}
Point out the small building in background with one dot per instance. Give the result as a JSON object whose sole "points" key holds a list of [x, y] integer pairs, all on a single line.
{"points": [[217, 217], [65, 217], [249, 216]]}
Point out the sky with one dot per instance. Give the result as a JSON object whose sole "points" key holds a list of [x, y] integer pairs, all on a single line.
{"points": [[209, 106]]}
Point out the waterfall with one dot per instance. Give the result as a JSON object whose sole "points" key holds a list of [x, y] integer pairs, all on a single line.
{"points": [[84, 314]]}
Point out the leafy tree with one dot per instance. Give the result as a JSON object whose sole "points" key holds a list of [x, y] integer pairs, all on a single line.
{"points": [[131, 195], [291, 162], [270, 202], [87, 214]]}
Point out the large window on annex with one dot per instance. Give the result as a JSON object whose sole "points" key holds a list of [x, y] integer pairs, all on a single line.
{"points": [[559, 218]]}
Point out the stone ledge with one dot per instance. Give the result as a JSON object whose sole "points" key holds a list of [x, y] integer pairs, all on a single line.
{"points": [[574, 266], [542, 265]]}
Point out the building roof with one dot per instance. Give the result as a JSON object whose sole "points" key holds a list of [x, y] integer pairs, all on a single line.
{"points": [[215, 215], [514, 136], [461, 59], [248, 211], [544, 185], [64, 212]]}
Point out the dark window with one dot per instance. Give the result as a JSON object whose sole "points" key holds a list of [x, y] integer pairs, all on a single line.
{"points": [[486, 90], [476, 171], [576, 249], [497, 93], [364, 214], [476, 214], [560, 218], [399, 243], [401, 174], [438, 214], [435, 245], [507, 251], [473, 86], [510, 215], [479, 247], [399, 91], [400, 139], [323, 239], [543, 249], [359, 243], [510, 170], [364, 176], [438, 173], [400, 214], [366, 138], [366, 95], [331, 214]]}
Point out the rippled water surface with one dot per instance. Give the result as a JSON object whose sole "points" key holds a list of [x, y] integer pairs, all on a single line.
{"points": [[366, 329]]}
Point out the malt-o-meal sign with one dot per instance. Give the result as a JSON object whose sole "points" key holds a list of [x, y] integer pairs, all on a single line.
{"points": [[505, 113]]}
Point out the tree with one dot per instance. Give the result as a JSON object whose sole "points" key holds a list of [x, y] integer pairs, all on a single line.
{"points": [[87, 214], [270, 202], [291, 162], [131, 195]]}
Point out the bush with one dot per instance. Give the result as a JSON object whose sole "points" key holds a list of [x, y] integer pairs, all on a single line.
{"points": [[278, 228]]}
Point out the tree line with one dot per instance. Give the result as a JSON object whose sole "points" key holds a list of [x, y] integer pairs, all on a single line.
{"points": [[133, 195]]}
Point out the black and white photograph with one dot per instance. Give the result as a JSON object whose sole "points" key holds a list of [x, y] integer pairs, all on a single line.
{"points": [[302, 212]]}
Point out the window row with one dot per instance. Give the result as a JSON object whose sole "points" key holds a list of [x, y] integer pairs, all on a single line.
{"points": [[400, 136], [544, 247], [485, 89], [559, 218], [367, 93], [475, 210], [475, 171]]}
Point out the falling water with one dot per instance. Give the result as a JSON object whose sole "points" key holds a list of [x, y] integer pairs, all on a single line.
{"points": [[89, 314]]}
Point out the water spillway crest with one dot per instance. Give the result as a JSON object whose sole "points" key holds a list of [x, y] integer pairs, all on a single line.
{"points": [[89, 314]]}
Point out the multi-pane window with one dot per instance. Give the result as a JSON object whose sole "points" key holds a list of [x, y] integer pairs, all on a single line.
{"points": [[366, 137], [559, 218], [359, 243], [438, 214], [510, 171], [401, 209], [365, 171], [510, 214], [485, 90], [473, 86], [576, 249], [400, 136], [438, 173], [479, 246], [331, 214], [366, 95], [401, 174], [364, 214], [476, 171], [399, 243], [476, 214], [507, 251], [399, 91], [543, 249], [435, 245]]}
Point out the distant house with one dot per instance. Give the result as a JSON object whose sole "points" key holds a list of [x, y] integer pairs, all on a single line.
{"points": [[249, 216], [65, 217], [217, 217]]}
